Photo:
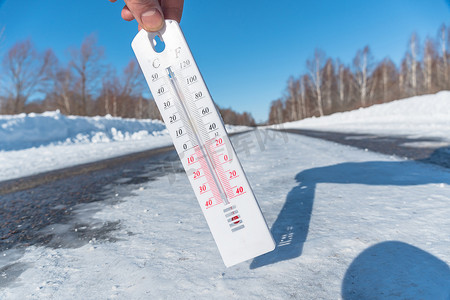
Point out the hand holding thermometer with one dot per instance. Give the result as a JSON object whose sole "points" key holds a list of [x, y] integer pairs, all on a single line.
{"points": [[202, 143]]}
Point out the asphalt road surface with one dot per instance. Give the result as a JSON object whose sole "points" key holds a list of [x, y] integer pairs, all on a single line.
{"points": [[427, 150], [30, 204]]}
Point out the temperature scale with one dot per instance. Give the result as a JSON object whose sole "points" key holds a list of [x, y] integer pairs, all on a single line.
{"points": [[202, 143]]}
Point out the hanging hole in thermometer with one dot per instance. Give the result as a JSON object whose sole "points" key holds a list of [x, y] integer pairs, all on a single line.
{"points": [[158, 44], [202, 143]]}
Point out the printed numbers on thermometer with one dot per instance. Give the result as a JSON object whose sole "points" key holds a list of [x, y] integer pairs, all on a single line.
{"points": [[200, 138]]}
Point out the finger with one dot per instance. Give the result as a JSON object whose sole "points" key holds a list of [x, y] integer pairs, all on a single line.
{"points": [[126, 14], [172, 9], [112, 1], [148, 13]]}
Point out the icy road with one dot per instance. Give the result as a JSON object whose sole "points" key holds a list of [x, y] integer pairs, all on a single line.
{"points": [[348, 223]]}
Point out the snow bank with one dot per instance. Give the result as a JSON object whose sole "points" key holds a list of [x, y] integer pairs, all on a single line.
{"points": [[36, 143], [52, 128], [427, 115]]}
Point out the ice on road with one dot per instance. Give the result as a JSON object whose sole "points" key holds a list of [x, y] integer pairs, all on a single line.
{"points": [[348, 224]]}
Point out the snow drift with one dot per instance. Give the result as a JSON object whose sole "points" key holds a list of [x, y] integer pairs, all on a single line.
{"points": [[36, 143], [427, 115], [33, 130]]}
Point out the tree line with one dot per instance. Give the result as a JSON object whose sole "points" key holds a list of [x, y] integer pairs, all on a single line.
{"points": [[331, 86], [35, 81]]}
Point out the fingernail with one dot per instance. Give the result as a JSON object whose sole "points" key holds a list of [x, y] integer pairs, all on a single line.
{"points": [[152, 20]]}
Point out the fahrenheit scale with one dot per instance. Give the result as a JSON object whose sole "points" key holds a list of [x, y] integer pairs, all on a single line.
{"points": [[202, 143]]}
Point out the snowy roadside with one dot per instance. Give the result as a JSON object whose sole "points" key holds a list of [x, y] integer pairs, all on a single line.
{"points": [[352, 225], [421, 116], [20, 163], [36, 143]]}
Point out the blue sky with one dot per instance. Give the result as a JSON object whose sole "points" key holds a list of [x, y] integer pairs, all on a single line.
{"points": [[246, 50]]}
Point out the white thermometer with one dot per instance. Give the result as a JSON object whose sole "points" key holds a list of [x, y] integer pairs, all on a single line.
{"points": [[200, 138]]}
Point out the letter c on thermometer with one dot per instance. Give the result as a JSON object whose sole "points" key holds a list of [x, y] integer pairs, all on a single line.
{"points": [[156, 63]]}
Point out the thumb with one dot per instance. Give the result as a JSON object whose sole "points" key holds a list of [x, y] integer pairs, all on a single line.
{"points": [[148, 13]]}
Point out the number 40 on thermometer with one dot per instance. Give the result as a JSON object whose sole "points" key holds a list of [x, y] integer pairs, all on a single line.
{"points": [[198, 133]]}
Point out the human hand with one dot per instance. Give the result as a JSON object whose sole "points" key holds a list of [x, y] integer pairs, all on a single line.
{"points": [[150, 14]]}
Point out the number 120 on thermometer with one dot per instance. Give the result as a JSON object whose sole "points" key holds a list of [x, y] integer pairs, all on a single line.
{"points": [[202, 143]]}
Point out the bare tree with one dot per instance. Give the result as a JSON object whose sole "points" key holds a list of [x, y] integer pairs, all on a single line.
{"points": [[384, 82], [362, 64], [414, 48], [329, 86], [64, 89], [315, 66], [276, 112], [25, 73], [153, 112], [428, 61], [132, 80], [341, 82], [293, 99], [385, 78], [303, 96], [106, 97], [87, 66], [389, 79], [231, 117], [444, 68], [122, 95], [403, 80]]}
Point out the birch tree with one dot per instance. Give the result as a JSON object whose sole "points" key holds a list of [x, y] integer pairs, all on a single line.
{"points": [[64, 90], [341, 82], [362, 64], [414, 49], [276, 112], [122, 95], [329, 85], [389, 78], [444, 68], [428, 59], [315, 68], [293, 97], [303, 96]]}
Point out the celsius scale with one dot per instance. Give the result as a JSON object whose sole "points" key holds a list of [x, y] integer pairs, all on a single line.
{"points": [[202, 143]]}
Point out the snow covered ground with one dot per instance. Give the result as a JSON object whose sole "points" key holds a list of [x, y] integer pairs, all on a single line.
{"points": [[349, 224], [35, 143], [354, 225], [421, 116]]}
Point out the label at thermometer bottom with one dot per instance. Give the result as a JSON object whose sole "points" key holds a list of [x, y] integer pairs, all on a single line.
{"points": [[200, 138]]}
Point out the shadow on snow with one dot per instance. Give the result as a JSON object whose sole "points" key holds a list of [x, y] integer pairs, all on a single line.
{"points": [[398, 270], [290, 229]]}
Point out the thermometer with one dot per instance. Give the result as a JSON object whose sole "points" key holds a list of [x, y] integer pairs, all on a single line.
{"points": [[198, 133]]}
